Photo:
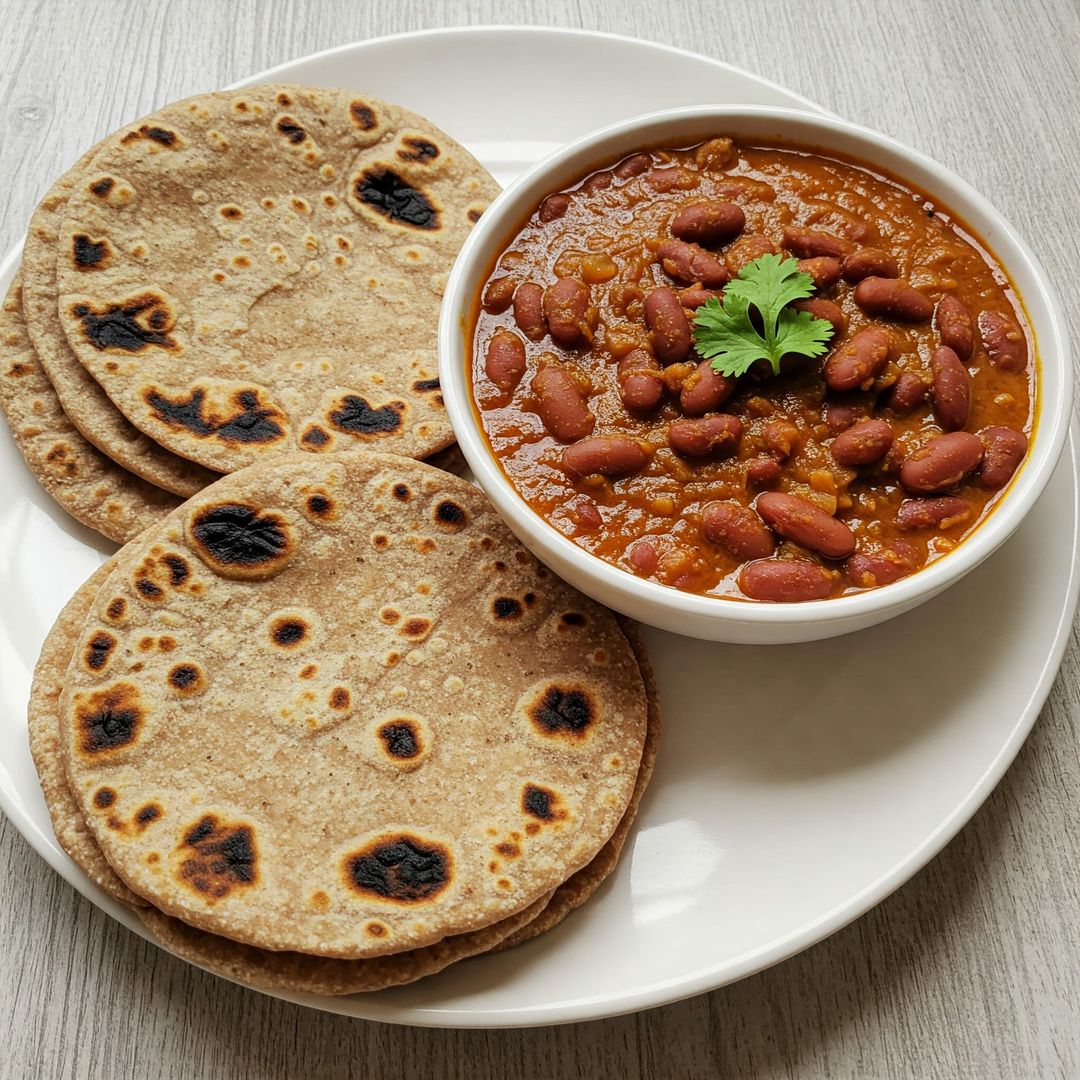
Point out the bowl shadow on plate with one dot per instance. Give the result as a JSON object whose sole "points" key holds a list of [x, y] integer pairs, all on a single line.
{"points": [[791, 712]]}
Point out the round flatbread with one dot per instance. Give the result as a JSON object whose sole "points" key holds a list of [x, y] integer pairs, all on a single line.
{"points": [[573, 892], [43, 722], [87, 406], [300, 972], [87, 484], [343, 712], [255, 272]]}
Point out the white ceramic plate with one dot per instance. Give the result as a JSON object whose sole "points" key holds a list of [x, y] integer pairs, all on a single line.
{"points": [[796, 786]]}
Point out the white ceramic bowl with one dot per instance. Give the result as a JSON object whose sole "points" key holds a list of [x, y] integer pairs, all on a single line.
{"points": [[710, 617]]}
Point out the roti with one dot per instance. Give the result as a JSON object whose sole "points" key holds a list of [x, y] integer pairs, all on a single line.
{"points": [[331, 706], [43, 722], [252, 273], [87, 484], [87, 406]]}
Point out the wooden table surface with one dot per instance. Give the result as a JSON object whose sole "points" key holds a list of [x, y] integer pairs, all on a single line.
{"points": [[973, 968]]}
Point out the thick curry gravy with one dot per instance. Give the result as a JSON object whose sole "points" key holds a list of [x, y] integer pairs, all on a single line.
{"points": [[685, 508]]}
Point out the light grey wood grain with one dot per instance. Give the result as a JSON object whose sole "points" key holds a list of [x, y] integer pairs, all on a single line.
{"points": [[970, 970]]}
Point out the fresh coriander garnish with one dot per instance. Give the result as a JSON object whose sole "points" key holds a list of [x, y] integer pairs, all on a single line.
{"points": [[726, 334]]}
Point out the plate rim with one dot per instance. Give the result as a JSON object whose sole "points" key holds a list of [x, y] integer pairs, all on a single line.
{"points": [[672, 989]]}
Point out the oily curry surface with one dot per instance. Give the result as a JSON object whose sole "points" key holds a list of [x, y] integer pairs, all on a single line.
{"points": [[623, 235]]}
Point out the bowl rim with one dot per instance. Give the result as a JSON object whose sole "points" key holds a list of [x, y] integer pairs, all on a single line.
{"points": [[1052, 417]]}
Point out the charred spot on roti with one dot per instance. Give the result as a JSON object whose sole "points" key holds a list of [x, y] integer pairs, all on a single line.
{"points": [[375, 929], [90, 254], [340, 699], [401, 738], [253, 421], [289, 631], [400, 868], [414, 148], [416, 628], [356, 416], [291, 129], [186, 679], [218, 858], [319, 900], [161, 136], [231, 211], [108, 720], [542, 803], [178, 567], [427, 386], [389, 194], [389, 615], [320, 506], [166, 643], [380, 541], [148, 589], [315, 437], [562, 710], [98, 651], [308, 671], [363, 115], [104, 797], [506, 608], [402, 492], [147, 815], [101, 187], [571, 620], [451, 516], [131, 326], [240, 541]]}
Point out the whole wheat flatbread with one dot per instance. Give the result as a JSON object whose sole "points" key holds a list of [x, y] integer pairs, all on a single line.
{"points": [[43, 722], [87, 406], [263, 624], [255, 272], [87, 484]]}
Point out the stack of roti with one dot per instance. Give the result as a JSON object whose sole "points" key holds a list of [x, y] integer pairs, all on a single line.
{"points": [[238, 277], [326, 726]]}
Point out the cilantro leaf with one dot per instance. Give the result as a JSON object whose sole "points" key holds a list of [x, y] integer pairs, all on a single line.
{"points": [[728, 335]]}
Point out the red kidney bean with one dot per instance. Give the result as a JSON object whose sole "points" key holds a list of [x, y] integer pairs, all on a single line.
{"points": [[862, 443], [671, 178], [1003, 340], [805, 523], [808, 244], [1004, 449], [824, 270], [892, 298], [562, 404], [671, 337], [763, 472], [609, 455], [498, 295], [941, 463], [600, 181], [840, 415], [505, 359], [955, 326], [745, 250], [784, 581], [634, 165], [566, 308], [820, 308], [640, 385], [529, 310], [716, 155], [858, 360], [705, 390], [940, 513], [952, 389], [872, 569], [694, 297], [708, 223], [644, 558], [737, 529], [691, 264], [553, 207], [906, 393], [717, 435], [869, 262], [585, 514]]}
